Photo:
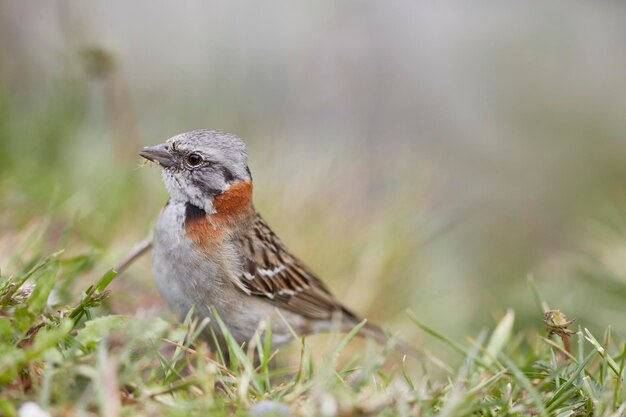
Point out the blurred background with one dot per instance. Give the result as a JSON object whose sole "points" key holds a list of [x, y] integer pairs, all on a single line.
{"points": [[418, 155]]}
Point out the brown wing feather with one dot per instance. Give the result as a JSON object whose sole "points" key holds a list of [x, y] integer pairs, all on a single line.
{"points": [[270, 271]]}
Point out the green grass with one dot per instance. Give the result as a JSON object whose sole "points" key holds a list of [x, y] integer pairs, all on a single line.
{"points": [[73, 356]]}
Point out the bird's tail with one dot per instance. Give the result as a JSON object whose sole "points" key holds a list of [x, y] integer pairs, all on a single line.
{"points": [[373, 331], [370, 330]]}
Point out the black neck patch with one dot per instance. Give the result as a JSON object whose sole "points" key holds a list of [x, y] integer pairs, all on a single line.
{"points": [[193, 212]]}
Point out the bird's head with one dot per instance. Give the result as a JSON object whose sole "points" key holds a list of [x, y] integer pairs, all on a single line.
{"points": [[201, 165]]}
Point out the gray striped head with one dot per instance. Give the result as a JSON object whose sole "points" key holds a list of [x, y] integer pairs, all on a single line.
{"points": [[200, 164]]}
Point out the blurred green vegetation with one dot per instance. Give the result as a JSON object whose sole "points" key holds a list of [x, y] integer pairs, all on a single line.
{"points": [[436, 185], [427, 167]]}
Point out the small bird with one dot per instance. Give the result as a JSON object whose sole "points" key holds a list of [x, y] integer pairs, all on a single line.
{"points": [[213, 252]]}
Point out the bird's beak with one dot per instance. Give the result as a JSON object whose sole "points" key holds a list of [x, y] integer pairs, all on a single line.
{"points": [[159, 153]]}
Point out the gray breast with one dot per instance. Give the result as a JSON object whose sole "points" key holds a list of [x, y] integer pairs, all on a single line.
{"points": [[183, 274], [187, 276]]}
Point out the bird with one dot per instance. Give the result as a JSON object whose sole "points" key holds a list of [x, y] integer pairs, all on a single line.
{"points": [[214, 253]]}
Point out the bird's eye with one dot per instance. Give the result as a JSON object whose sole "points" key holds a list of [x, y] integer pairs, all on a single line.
{"points": [[194, 159]]}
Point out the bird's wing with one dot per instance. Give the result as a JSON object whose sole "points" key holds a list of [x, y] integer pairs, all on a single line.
{"points": [[270, 271]]}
